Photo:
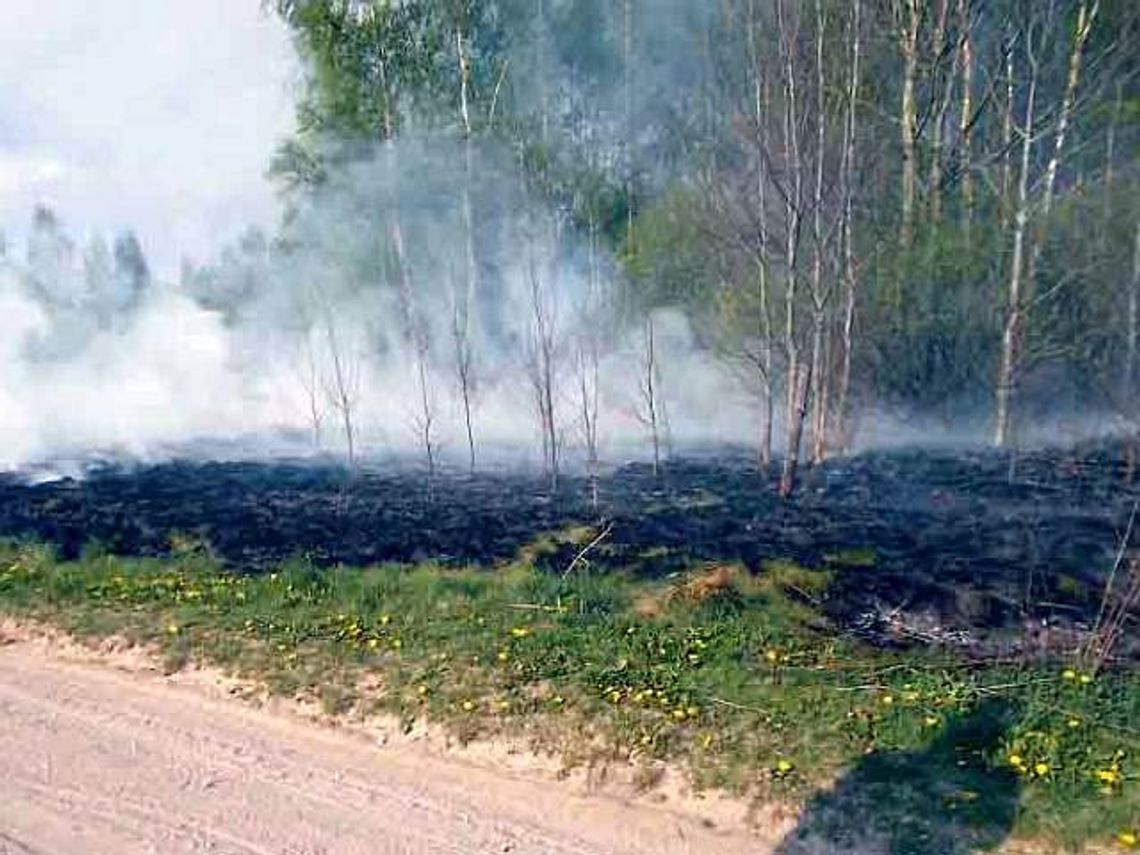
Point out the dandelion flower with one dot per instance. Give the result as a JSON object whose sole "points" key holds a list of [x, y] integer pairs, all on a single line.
{"points": [[887, 700], [783, 767], [931, 721], [1016, 760], [772, 656], [468, 706], [503, 656], [1086, 679], [679, 714], [520, 632], [1127, 839], [1041, 769], [1069, 674], [423, 689]]}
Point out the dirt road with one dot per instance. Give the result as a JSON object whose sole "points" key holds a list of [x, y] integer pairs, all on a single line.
{"points": [[98, 760]]}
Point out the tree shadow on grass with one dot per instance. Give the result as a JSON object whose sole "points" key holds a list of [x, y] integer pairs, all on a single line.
{"points": [[943, 799]]}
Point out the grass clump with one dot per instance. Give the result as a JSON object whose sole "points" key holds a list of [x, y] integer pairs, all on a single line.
{"points": [[734, 676]]}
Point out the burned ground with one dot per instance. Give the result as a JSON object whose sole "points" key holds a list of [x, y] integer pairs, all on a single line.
{"points": [[947, 539]]}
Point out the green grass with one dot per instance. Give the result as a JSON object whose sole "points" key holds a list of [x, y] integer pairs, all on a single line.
{"points": [[738, 682]]}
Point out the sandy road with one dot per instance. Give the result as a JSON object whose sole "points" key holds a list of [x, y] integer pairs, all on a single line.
{"points": [[98, 760]]}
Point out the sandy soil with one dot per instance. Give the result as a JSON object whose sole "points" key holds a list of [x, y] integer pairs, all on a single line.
{"points": [[102, 754]]}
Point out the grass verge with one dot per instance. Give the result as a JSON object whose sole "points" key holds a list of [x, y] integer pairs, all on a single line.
{"points": [[733, 677]]}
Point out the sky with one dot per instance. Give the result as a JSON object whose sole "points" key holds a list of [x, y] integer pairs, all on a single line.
{"points": [[158, 115]]}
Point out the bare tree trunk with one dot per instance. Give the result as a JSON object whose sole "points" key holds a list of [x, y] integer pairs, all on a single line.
{"points": [[1128, 392], [311, 382], [426, 419], [462, 322], [1086, 17], [650, 413], [464, 369], [966, 120], [341, 392], [788, 476], [908, 119], [818, 295], [762, 103], [1007, 141], [849, 274], [793, 207], [588, 367], [542, 376], [1011, 334], [934, 177]]}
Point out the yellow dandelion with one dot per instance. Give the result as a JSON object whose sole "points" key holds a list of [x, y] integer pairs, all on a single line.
{"points": [[679, 714], [783, 767], [503, 656], [397, 644], [772, 656], [1127, 839], [887, 700], [468, 706], [373, 643], [172, 629], [520, 632], [422, 690], [1108, 776], [1041, 769], [1086, 679], [931, 721], [1069, 674], [1016, 760], [1074, 722]]}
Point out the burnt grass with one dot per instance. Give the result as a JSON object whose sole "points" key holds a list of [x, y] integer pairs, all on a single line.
{"points": [[947, 542]]}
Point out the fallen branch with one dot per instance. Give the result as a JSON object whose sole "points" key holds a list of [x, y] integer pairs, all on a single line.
{"points": [[581, 556], [732, 705]]}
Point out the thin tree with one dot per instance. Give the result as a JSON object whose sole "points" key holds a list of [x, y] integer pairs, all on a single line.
{"points": [[908, 15], [342, 386], [541, 364], [1011, 332], [461, 317], [850, 274], [820, 293], [966, 116], [649, 412]]}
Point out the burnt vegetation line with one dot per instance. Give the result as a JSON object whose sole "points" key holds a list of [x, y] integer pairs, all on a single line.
{"points": [[917, 546]]}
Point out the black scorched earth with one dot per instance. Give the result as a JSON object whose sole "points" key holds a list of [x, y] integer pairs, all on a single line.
{"points": [[939, 547]]}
